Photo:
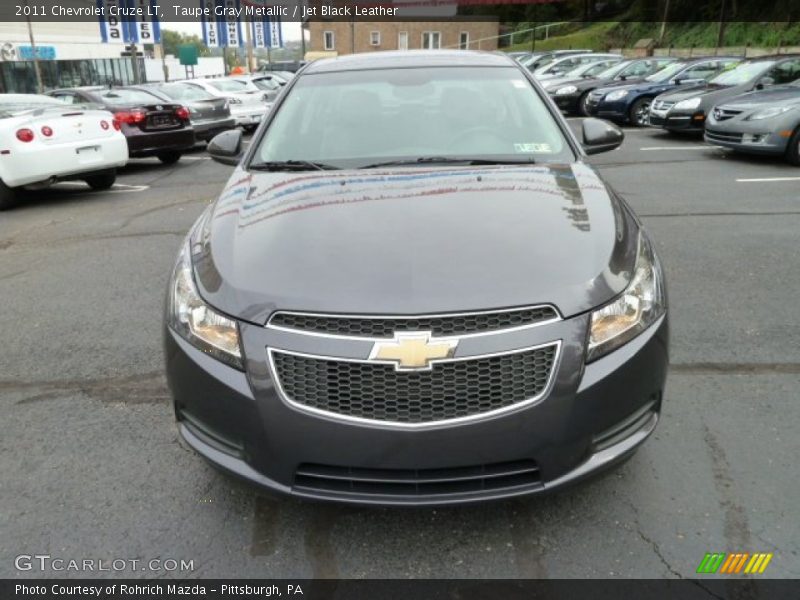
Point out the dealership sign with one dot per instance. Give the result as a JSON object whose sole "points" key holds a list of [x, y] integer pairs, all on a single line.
{"points": [[222, 25], [129, 21]]}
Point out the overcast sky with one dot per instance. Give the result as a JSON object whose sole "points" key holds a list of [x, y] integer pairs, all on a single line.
{"points": [[291, 29]]}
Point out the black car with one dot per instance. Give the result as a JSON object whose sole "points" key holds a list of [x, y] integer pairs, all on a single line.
{"points": [[208, 114], [571, 96], [151, 126], [686, 109], [414, 290]]}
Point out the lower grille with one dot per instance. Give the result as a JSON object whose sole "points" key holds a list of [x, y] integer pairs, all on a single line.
{"points": [[450, 390], [417, 482], [723, 136]]}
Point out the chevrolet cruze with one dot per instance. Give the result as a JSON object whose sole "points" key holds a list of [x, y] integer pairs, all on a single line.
{"points": [[414, 290]]}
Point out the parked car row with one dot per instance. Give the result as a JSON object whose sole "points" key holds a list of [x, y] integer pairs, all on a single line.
{"points": [[749, 105], [86, 133]]}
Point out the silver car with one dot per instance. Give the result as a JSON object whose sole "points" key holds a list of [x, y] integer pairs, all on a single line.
{"points": [[762, 122]]}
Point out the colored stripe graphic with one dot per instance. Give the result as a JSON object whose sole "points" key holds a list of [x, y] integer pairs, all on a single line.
{"points": [[758, 563], [711, 562]]}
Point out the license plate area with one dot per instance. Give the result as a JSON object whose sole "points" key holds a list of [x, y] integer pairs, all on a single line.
{"points": [[161, 122]]}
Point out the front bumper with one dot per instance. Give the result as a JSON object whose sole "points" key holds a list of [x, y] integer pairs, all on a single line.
{"points": [[745, 136], [593, 416], [613, 111], [676, 121], [567, 102]]}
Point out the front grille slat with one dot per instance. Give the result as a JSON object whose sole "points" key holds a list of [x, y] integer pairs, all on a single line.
{"points": [[450, 390], [439, 325], [398, 483]]}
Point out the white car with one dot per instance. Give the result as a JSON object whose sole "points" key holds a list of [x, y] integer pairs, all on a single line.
{"points": [[248, 104], [561, 65], [43, 140]]}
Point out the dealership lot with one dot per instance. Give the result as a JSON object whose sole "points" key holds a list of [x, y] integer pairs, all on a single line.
{"points": [[92, 467]]}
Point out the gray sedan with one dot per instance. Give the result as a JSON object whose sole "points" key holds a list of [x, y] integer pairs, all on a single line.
{"points": [[764, 122]]}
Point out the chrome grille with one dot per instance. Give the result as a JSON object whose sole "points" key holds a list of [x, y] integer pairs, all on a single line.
{"points": [[450, 390], [723, 114], [662, 105], [438, 325]]}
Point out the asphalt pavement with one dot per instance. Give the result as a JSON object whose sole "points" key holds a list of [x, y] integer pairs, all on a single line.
{"points": [[91, 466]]}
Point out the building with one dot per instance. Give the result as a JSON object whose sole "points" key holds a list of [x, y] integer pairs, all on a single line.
{"points": [[333, 38], [70, 54]]}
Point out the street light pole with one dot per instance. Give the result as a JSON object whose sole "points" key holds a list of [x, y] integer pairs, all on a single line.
{"points": [[37, 70]]}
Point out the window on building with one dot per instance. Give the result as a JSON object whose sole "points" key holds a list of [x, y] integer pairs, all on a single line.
{"points": [[329, 41], [375, 38], [402, 40], [463, 40], [431, 40]]}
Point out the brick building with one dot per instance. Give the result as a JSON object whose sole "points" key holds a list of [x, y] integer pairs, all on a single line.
{"points": [[346, 37]]}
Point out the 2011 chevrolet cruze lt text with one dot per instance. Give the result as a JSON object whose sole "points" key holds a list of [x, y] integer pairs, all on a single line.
{"points": [[413, 290]]}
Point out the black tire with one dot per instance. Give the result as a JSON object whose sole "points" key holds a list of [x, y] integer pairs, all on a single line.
{"points": [[583, 110], [793, 149], [101, 182], [639, 112], [8, 197], [169, 158]]}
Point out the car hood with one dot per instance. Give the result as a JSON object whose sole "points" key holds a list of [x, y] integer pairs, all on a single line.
{"points": [[709, 94], [414, 241], [786, 95]]}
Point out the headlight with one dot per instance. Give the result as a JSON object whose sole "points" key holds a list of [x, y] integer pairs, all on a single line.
{"points": [[689, 104], [198, 323], [618, 95], [638, 307], [567, 89], [768, 113]]}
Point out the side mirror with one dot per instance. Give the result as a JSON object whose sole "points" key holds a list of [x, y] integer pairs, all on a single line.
{"points": [[765, 82], [601, 136], [226, 147]]}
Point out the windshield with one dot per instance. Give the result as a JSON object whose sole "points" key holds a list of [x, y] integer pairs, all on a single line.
{"points": [[183, 92], [266, 83], [13, 104], [123, 96], [666, 73], [742, 73], [352, 119], [613, 70], [228, 85], [592, 70]]}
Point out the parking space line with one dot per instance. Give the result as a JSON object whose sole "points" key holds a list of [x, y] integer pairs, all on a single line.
{"points": [[700, 147], [767, 179]]}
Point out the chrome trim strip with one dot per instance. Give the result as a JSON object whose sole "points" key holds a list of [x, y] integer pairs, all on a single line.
{"points": [[341, 336], [413, 426]]}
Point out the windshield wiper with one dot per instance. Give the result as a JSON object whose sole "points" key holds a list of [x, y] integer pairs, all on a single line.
{"points": [[291, 165], [427, 160]]}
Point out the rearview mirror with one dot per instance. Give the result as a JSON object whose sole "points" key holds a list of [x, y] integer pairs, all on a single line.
{"points": [[601, 136], [765, 82], [226, 147]]}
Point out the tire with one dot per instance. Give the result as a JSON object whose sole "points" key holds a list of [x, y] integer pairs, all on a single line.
{"points": [[169, 158], [793, 149], [8, 197], [101, 182], [638, 114], [583, 110]]}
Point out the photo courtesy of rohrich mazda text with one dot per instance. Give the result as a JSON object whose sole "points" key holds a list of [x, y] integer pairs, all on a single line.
{"points": [[369, 315]]}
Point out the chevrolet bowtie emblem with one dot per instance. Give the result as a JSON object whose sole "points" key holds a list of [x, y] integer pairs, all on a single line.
{"points": [[413, 351]]}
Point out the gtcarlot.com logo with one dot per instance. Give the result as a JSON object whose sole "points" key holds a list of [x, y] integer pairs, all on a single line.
{"points": [[46, 562], [734, 563]]}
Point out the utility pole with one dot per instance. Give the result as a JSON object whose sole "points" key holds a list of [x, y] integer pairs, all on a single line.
{"points": [[249, 45], [37, 70], [664, 23]]}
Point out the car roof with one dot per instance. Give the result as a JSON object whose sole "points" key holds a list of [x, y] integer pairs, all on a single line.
{"points": [[409, 59]]}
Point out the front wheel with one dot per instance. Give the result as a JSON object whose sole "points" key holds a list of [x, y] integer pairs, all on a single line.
{"points": [[8, 196], [583, 105], [101, 182], [639, 115], [793, 149], [169, 158]]}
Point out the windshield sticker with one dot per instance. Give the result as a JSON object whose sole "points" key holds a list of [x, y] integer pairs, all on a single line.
{"points": [[533, 148]]}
